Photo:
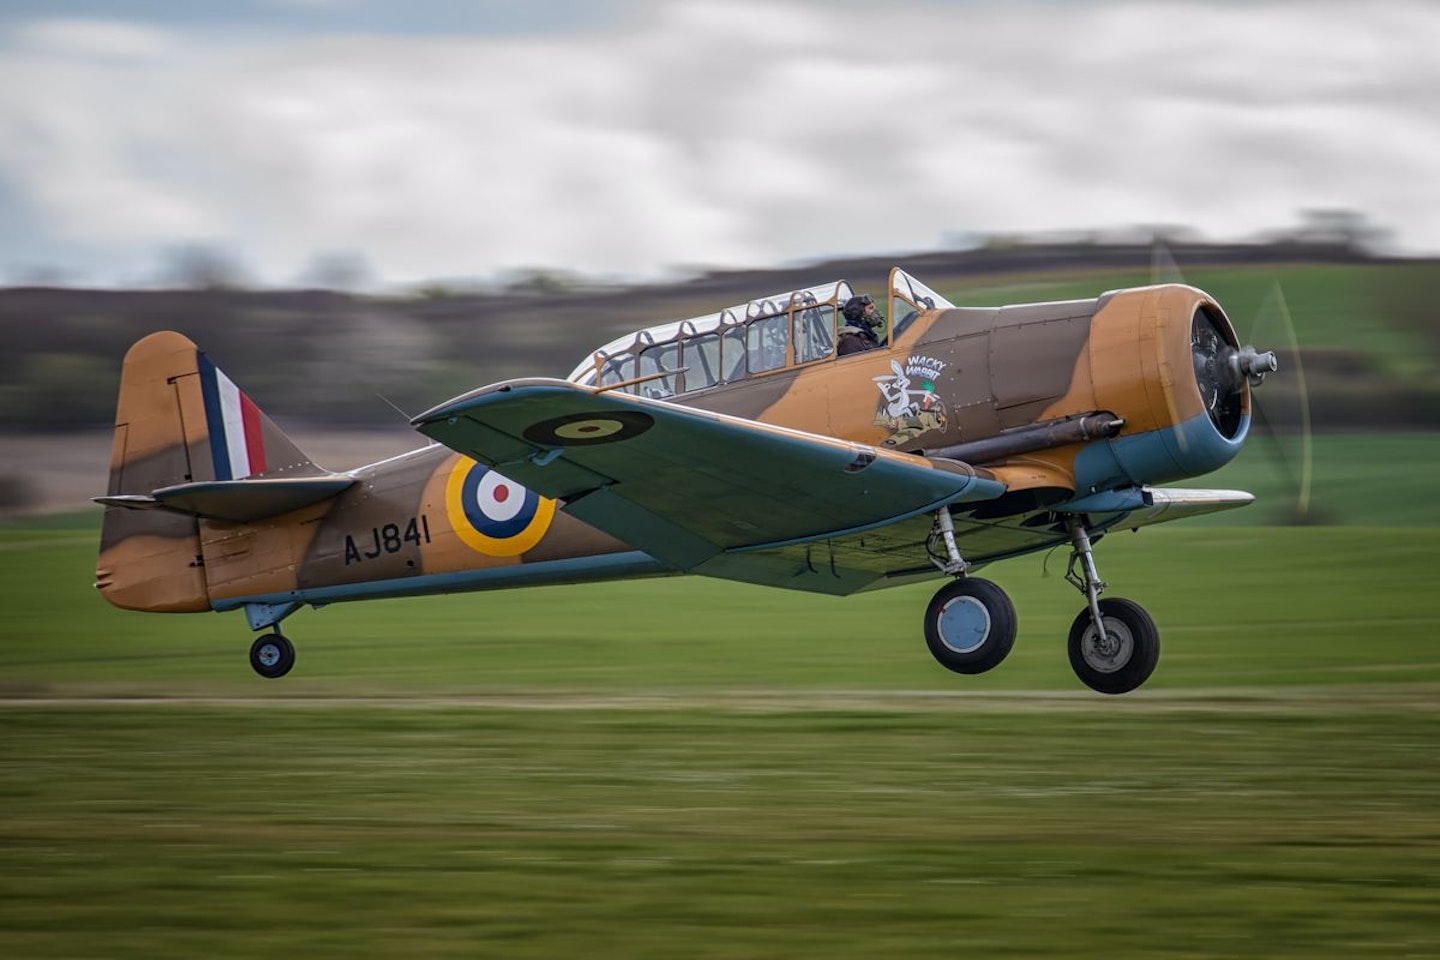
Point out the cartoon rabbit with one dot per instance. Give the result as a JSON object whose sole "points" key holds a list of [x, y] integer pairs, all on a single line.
{"points": [[896, 391]]}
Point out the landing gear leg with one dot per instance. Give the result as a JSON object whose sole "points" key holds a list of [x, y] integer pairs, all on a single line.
{"points": [[1114, 644], [942, 534], [970, 623], [1089, 583], [271, 655]]}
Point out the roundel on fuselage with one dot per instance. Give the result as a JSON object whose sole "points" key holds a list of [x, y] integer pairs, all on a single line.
{"points": [[493, 514]]}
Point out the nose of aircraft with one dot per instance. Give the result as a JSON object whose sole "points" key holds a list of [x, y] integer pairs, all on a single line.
{"points": [[1218, 372]]}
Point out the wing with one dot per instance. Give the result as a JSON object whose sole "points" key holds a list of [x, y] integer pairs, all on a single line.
{"points": [[699, 490]]}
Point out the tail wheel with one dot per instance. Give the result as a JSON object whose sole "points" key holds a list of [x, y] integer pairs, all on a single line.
{"points": [[272, 656], [1124, 657], [970, 625]]}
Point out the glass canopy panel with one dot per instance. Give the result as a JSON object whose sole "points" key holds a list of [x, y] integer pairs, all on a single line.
{"points": [[663, 358], [814, 332], [766, 341], [614, 369], [908, 297], [732, 353], [702, 361], [722, 346]]}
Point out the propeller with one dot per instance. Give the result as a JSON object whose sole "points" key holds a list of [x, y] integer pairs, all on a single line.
{"points": [[1223, 371], [1289, 441], [1163, 268]]}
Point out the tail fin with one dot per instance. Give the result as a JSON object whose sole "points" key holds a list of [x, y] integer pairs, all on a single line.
{"points": [[179, 420]]}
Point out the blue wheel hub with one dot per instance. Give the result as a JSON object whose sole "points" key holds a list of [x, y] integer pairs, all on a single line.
{"points": [[963, 624]]}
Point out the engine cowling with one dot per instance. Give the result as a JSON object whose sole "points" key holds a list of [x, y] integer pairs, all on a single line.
{"points": [[1167, 361]]}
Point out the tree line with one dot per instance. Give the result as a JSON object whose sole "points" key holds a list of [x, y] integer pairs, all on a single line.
{"points": [[340, 359]]}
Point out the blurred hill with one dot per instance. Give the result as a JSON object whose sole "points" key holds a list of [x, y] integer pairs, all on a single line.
{"points": [[326, 358]]}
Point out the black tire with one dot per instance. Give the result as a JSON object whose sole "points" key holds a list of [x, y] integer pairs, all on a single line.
{"points": [[970, 625], [1129, 653], [272, 656]]}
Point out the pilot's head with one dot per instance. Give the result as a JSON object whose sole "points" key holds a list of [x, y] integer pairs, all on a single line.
{"points": [[861, 311]]}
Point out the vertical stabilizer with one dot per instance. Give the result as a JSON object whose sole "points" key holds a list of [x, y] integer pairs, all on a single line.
{"points": [[179, 419]]}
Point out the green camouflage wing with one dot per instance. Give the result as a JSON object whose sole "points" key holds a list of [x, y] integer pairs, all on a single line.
{"points": [[691, 487]]}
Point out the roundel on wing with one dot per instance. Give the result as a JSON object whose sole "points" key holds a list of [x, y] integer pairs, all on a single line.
{"points": [[585, 429], [492, 513]]}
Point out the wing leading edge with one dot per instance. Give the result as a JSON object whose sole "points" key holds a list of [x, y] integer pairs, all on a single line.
{"points": [[691, 486]]}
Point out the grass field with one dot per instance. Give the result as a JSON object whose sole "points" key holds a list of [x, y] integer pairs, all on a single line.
{"points": [[1308, 831], [688, 768], [1239, 608]]}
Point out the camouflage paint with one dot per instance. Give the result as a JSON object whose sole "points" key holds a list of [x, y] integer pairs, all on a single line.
{"points": [[434, 520]]}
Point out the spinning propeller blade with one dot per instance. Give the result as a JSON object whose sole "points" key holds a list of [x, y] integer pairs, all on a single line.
{"points": [[1163, 268], [1223, 370], [1275, 322]]}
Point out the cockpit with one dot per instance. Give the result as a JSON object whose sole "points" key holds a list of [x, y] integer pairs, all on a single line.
{"points": [[757, 338]]}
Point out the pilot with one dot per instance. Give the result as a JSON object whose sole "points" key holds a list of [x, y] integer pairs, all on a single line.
{"points": [[864, 324]]}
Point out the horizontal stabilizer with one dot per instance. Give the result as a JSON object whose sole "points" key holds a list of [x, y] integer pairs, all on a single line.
{"points": [[236, 501]]}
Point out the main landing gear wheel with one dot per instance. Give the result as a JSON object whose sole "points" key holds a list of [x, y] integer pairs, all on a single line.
{"points": [[1124, 657], [272, 656], [970, 625]]}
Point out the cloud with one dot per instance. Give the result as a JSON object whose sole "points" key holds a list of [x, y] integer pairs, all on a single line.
{"points": [[721, 133], [92, 39], [79, 132]]}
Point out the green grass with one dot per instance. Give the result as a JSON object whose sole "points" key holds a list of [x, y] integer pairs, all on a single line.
{"points": [[182, 832], [689, 768], [1239, 607]]}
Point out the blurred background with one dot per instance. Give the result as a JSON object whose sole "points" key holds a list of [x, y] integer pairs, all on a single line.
{"points": [[351, 204], [355, 206]]}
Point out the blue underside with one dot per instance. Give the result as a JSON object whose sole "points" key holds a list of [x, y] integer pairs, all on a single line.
{"points": [[267, 609], [1186, 450]]}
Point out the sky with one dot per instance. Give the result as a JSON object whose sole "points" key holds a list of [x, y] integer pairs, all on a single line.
{"points": [[639, 139]]}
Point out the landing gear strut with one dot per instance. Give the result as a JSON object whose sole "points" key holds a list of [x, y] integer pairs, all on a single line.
{"points": [[1114, 644], [970, 623], [272, 655]]}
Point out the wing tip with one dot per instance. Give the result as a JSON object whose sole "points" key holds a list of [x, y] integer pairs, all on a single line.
{"points": [[455, 406]]}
